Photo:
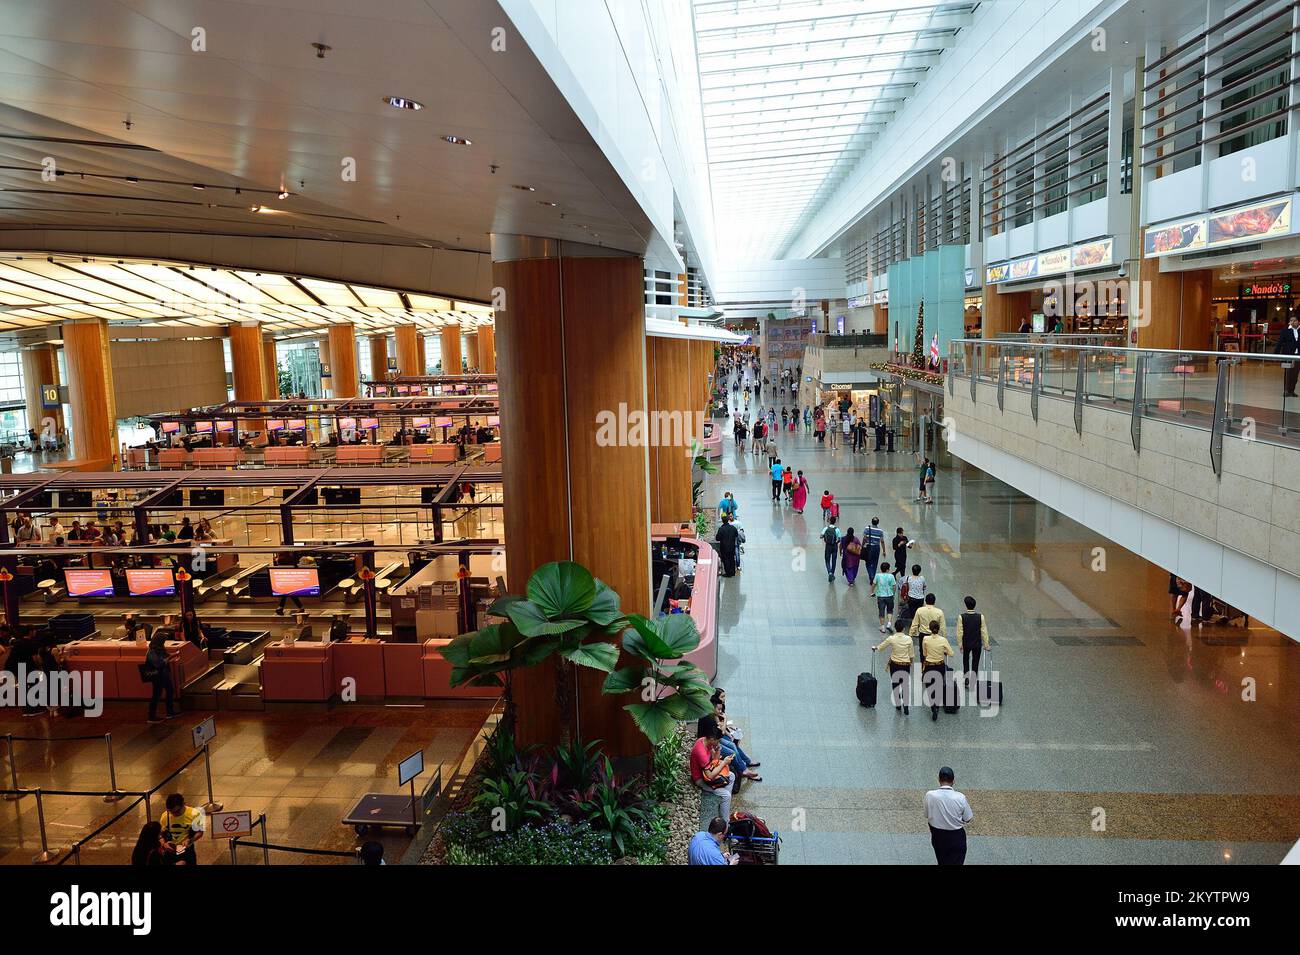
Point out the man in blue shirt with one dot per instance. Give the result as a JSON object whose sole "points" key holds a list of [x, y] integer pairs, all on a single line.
{"points": [[873, 541], [706, 847], [777, 471]]}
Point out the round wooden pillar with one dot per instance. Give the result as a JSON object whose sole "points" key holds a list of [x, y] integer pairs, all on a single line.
{"points": [[378, 357], [40, 370], [90, 393], [670, 394], [408, 351], [487, 349], [450, 350], [270, 368], [574, 494], [248, 361], [471, 351], [422, 353], [343, 361]]}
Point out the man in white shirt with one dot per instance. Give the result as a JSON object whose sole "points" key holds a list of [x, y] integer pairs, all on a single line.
{"points": [[947, 812]]}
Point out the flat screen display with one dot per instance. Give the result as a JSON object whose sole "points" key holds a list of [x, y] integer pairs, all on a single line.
{"points": [[295, 582], [443, 422], [402, 390], [151, 583], [275, 424], [419, 422], [89, 583], [207, 497], [296, 424], [369, 424], [225, 427], [203, 427], [76, 499], [494, 421], [171, 427], [347, 424]]}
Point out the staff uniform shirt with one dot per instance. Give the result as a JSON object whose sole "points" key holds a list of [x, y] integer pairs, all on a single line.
{"points": [[921, 622], [934, 648], [899, 646], [945, 808]]}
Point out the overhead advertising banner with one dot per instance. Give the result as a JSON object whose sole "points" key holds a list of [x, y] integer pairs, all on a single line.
{"points": [[1058, 260], [881, 297], [997, 273], [1091, 255], [1173, 237], [1258, 221], [860, 301], [1026, 268]]}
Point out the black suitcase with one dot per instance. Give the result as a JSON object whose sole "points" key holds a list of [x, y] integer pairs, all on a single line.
{"points": [[950, 700], [867, 689], [990, 689]]}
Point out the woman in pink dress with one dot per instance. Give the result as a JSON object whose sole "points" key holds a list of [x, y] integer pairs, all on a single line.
{"points": [[799, 497]]}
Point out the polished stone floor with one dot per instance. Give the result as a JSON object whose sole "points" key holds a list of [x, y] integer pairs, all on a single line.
{"points": [[303, 767], [1123, 738]]}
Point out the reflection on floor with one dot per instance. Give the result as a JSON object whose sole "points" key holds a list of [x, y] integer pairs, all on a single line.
{"points": [[304, 768], [1123, 739]]}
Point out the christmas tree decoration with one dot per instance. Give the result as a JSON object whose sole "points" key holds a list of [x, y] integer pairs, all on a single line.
{"points": [[918, 343]]}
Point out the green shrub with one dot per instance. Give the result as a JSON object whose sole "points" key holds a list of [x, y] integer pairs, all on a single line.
{"points": [[469, 842], [667, 767]]}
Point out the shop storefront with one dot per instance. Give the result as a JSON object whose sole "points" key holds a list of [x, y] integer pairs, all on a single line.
{"points": [[1075, 290]]}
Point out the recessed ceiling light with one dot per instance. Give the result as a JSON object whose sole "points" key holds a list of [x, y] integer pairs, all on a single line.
{"points": [[458, 140], [543, 202], [198, 185], [282, 195], [401, 102], [525, 188]]}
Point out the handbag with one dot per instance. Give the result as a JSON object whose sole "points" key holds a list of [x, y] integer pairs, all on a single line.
{"points": [[855, 548], [723, 777], [148, 672]]}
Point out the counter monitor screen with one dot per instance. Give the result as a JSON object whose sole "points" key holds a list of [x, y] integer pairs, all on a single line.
{"points": [[295, 582], [89, 583], [443, 422], [369, 424], [225, 427], [494, 421], [381, 389], [275, 424], [151, 583], [347, 424], [296, 424], [419, 422], [171, 427], [203, 427]]}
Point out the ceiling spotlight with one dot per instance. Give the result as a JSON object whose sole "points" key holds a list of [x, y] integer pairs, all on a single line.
{"points": [[401, 102], [198, 185], [543, 202], [132, 179], [458, 140], [282, 194], [321, 50], [525, 188]]}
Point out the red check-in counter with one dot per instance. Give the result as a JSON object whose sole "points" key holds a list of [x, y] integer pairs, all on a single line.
{"points": [[362, 659], [433, 453], [120, 661], [704, 604], [492, 453], [437, 676], [300, 673]]}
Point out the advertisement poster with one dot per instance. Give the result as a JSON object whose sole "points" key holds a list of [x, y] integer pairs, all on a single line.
{"points": [[1258, 221], [1090, 255], [1174, 237], [997, 273], [1025, 268], [1058, 260]]}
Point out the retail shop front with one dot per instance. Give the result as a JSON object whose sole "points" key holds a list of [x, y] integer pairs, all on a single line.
{"points": [[1076, 290]]}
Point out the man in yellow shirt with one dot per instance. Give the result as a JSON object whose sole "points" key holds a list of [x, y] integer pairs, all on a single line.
{"points": [[935, 649], [183, 825], [925, 615], [900, 666]]}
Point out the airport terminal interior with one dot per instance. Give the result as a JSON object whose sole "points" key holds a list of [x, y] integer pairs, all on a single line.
{"points": [[454, 432]]}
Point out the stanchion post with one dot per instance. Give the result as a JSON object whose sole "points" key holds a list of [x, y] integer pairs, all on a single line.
{"points": [[212, 805], [234, 855], [115, 794], [266, 849], [45, 855], [13, 769], [76, 853]]}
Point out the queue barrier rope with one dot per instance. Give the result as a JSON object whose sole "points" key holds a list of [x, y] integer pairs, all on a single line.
{"points": [[113, 795]]}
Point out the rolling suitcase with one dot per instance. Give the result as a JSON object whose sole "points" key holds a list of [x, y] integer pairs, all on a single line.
{"points": [[867, 689], [990, 689]]}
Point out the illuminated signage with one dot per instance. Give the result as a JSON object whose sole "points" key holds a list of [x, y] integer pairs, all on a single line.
{"points": [[1173, 237], [997, 273], [49, 396], [1258, 221], [1057, 260], [1091, 255], [1266, 290], [1026, 268]]}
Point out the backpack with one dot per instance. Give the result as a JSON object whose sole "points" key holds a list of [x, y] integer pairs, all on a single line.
{"points": [[746, 825], [829, 536]]}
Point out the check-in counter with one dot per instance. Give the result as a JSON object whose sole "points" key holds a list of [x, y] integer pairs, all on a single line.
{"points": [[704, 604], [299, 673], [137, 458], [437, 676], [119, 661], [362, 660], [359, 454], [286, 457], [173, 458], [492, 452], [402, 609], [433, 453], [403, 670], [216, 457]]}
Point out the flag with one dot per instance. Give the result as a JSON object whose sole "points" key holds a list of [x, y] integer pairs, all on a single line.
{"points": [[934, 348]]}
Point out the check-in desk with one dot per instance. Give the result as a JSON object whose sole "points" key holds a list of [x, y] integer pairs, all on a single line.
{"points": [[359, 454], [119, 661], [492, 452], [216, 457], [300, 672], [704, 603], [403, 669], [173, 458], [362, 660], [433, 453], [286, 457], [437, 676]]}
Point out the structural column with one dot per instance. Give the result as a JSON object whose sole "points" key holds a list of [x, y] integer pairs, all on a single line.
{"points": [[90, 393], [247, 360], [451, 349], [487, 349], [422, 353], [576, 485], [40, 371], [378, 357], [270, 368], [1173, 309], [343, 360], [671, 395], [408, 351], [471, 351]]}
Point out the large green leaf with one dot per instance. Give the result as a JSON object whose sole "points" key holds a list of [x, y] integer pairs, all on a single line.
{"points": [[624, 679], [500, 605], [664, 639], [678, 631], [493, 644], [457, 653], [562, 589], [605, 610], [465, 676], [694, 702], [532, 621], [535, 651], [653, 720], [598, 655], [682, 708]]}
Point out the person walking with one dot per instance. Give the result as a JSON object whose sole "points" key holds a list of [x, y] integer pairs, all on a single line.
{"points": [[924, 615], [914, 589], [831, 536], [948, 813], [974, 636], [899, 645], [873, 542], [773, 453], [883, 585], [158, 671], [728, 541], [920, 480], [799, 497], [807, 420], [1288, 343], [787, 484], [833, 430], [850, 556], [777, 472], [727, 506], [935, 650], [900, 544]]}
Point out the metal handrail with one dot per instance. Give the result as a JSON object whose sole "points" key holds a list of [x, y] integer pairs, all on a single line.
{"points": [[1234, 355]]}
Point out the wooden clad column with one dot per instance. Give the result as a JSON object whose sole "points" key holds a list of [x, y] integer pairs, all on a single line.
{"points": [[1176, 313], [471, 351], [568, 496], [670, 389], [487, 349], [90, 393], [880, 319], [422, 353], [248, 361], [451, 350], [343, 360], [378, 357], [408, 351], [270, 368], [40, 367], [1001, 313]]}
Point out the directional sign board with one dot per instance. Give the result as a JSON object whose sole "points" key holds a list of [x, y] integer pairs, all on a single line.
{"points": [[410, 767], [205, 732], [228, 824]]}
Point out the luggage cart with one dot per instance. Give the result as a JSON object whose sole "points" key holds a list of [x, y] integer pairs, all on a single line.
{"points": [[745, 838], [394, 810]]}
